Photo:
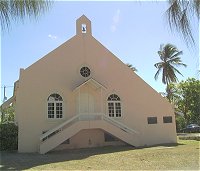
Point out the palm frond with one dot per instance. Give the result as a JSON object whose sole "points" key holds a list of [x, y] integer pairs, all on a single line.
{"points": [[185, 27], [171, 74], [178, 17], [170, 58], [174, 69], [20, 9], [176, 54], [169, 50], [164, 76], [4, 14], [132, 67], [174, 13], [157, 74], [158, 65], [176, 61], [196, 7]]}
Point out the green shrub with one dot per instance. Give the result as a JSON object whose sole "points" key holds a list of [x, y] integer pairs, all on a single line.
{"points": [[8, 136], [197, 138], [180, 123]]}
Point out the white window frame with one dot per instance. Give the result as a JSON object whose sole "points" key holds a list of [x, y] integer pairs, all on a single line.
{"points": [[114, 102], [86, 68], [54, 102]]}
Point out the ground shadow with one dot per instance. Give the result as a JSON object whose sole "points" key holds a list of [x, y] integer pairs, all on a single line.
{"points": [[22, 161]]}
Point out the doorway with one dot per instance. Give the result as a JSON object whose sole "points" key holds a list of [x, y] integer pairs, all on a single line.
{"points": [[85, 103]]}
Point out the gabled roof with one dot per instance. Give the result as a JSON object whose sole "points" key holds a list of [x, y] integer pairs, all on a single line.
{"points": [[92, 82]]}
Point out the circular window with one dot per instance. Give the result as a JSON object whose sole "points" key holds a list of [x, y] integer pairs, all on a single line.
{"points": [[85, 71]]}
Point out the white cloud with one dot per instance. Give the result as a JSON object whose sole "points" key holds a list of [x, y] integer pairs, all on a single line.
{"points": [[115, 20], [52, 36], [116, 17]]}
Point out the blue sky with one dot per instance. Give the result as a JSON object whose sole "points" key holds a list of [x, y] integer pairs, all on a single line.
{"points": [[132, 30]]}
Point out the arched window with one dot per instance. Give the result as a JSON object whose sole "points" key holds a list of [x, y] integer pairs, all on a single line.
{"points": [[55, 106], [114, 106]]}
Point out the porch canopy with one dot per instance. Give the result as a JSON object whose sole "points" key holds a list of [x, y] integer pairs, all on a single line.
{"points": [[88, 105], [95, 84]]}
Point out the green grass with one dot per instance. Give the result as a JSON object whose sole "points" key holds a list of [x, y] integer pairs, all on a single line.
{"points": [[183, 156]]}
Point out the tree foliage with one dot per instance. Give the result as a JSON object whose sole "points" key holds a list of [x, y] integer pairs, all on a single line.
{"points": [[8, 115], [8, 136], [179, 16], [186, 98], [8, 129], [170, 59], [14, 10]]}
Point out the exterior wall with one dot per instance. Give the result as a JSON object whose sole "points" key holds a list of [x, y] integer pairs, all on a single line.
{"points": [[59, 72], [88, 138]]}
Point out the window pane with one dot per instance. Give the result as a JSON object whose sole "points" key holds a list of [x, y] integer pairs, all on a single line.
{"points": [[50, 110], [54, 106], [59, 110], [54, 97], [118, 109], [152, 120], [50, 115], [113, 97], [114, 108], [167, 119], [111, 109], [85, 71]]}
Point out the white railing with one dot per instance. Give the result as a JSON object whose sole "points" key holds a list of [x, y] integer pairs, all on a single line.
{"points": [[119, 125], [59, 128], [85, 117]]}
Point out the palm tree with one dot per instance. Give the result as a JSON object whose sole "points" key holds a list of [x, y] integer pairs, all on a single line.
{"points": [[179, 15], [170, 59], [20, 9], [132, 67]]}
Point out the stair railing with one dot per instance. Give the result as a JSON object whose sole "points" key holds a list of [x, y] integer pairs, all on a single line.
{"points": [[119, 125], [85, 117]]}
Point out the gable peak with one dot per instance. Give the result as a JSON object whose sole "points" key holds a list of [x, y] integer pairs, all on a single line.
{"points": [[83, 17], [83, 25]]}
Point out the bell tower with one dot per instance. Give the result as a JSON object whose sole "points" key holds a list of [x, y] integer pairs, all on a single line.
{"points": [[83, 25]]}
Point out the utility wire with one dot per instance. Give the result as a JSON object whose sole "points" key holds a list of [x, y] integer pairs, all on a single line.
{"points": [[7, 86]]}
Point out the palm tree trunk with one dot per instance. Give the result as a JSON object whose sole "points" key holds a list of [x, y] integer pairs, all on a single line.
{"points": [[168, 93]]}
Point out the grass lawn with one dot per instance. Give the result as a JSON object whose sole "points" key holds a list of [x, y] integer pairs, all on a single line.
{"points": [[181, 157]]}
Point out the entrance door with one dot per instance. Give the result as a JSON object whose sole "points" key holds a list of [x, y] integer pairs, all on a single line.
{"points": [[86, 103]]}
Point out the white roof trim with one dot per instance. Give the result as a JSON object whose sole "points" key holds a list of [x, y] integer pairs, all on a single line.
{"points": [[93, 82]]}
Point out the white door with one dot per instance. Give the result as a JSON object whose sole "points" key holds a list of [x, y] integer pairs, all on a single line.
{"points": [[85, 103]]}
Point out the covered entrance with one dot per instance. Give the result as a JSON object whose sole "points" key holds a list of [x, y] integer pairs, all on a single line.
{"points": [[86, 103], [89, 97]]}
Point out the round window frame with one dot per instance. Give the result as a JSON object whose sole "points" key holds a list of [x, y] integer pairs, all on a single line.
{"points": [[85, 71]]}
